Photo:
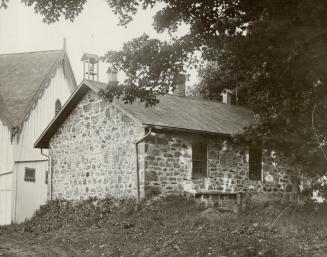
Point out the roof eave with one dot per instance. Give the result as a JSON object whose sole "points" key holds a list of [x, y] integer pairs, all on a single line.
{"points": [[195, 131], [85, 85], [71, 103]]}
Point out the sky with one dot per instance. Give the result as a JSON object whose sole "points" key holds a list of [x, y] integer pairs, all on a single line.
{"points": [[95, 30]]}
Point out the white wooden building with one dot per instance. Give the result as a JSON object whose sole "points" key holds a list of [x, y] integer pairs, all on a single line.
{"points": [[33, 87]]}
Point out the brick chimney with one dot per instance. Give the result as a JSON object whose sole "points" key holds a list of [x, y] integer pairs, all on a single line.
{"points": [[112, 74], [228, 96], [180, 85]]}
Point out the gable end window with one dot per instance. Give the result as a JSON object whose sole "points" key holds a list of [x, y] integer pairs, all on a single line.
{"points": [[255, 163], [29, 175], [57, 107], [199, 160]]}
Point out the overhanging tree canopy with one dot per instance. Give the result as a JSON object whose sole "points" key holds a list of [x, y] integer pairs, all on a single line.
{"points": [[272, 51]]}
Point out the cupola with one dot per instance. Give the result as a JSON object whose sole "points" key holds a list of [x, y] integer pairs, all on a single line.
{"points": [[90, 66]]}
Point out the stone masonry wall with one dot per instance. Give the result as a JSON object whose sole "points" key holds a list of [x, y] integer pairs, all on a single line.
{"points": [[93, 155], [93, 152], [168, 169]]}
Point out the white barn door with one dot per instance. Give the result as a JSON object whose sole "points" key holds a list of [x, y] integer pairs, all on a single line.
{"points": [[5, 198], [31, 189]]}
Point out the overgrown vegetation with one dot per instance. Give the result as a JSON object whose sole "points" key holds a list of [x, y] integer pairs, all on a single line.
{"points": [[171, 226]]}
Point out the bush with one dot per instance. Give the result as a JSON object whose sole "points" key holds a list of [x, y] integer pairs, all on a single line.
{"points": [[59, 214]]}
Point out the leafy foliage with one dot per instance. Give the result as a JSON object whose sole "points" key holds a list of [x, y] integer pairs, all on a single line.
{"points": [[4, 3], [53, 10], [272, 51], [151, 66]]}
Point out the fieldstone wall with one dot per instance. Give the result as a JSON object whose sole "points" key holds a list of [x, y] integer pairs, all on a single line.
{"points": [[168, 169], [93, 153]]}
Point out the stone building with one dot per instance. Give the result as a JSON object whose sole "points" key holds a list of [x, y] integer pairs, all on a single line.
{"points": [[180, 146]]}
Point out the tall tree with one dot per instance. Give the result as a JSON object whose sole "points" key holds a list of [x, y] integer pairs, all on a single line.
{"points": [[272, 51]]}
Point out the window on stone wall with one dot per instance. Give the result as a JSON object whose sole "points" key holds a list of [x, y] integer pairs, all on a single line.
{"points": [[199, 160], [29, 175], [57, 106], [255, 162]]}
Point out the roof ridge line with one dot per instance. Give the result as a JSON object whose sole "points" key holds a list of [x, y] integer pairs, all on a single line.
{"points": [[208, 100], [188, 97], [31, 52], [195, 98]]}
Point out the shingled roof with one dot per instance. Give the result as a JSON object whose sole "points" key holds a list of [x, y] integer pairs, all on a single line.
{"points": [[172, 112], [23, 77], [191, 114]]}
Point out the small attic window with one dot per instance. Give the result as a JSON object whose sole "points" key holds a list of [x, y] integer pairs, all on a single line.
{"points": [[57, 107]]}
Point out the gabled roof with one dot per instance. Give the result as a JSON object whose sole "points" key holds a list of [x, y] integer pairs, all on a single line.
{"points": [[23, 77], [172, 112]]}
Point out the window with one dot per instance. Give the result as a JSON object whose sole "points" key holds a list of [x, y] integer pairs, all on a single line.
{"points": [[57, 106], [255, 162], [46, 177], [29, 175], [199, 160]]}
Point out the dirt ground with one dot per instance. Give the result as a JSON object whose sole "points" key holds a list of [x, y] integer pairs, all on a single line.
{"points": [[171, 226]]}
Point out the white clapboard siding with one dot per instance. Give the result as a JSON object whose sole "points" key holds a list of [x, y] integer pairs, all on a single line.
{"points": [[30, 195], [41, 116], [6, 150], [5, 198]]}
